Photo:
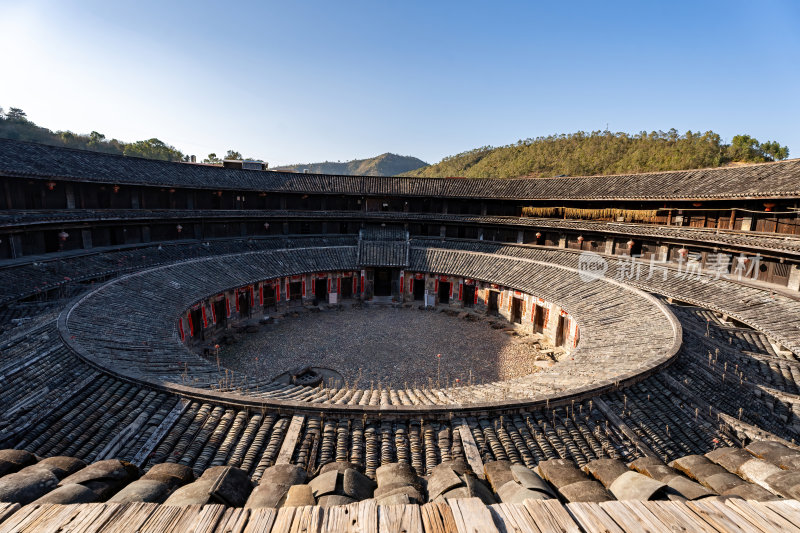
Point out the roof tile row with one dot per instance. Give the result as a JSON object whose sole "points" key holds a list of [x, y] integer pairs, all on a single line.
{"points": [[24, 159]]}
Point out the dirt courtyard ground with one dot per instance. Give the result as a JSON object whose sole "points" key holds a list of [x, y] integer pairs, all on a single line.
{"points": [[395, 347]]}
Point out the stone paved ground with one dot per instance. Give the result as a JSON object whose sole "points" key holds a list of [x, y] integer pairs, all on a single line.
{"points": [[390, 346]]}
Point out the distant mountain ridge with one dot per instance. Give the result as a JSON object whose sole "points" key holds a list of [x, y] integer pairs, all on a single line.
{"points": [[383, 165]]}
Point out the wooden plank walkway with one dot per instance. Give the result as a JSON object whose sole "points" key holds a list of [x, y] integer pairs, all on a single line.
{"points": [[467, 515]]}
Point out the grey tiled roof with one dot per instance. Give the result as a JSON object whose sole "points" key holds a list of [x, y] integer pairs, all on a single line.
{"points": [[23, 159], [383, 253], [384, 245]]}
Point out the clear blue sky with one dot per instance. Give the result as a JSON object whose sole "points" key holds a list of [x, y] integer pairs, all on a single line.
{"points": [[309, 81]]}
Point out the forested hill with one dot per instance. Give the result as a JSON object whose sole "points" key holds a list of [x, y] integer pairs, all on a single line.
{"points": [[14, 124], [382, 165], [604, 152]]}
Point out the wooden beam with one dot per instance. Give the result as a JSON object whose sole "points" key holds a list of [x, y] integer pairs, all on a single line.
{"points": [[290, 441], [144, 453], [471, 450]]}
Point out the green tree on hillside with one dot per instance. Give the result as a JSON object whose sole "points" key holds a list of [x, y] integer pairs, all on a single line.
{"points": [[748, 149], [16, 114], [96, 139], [744, 148], [774, 150], [153, 149]]}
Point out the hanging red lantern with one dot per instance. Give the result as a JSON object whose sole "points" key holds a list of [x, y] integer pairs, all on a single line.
{"points": [[768, 206], [683, 252], [631, 243], [116, 188], [179, 228], [266, 225], [580, 238], [538, 234], [51, 185], [63, 235]]}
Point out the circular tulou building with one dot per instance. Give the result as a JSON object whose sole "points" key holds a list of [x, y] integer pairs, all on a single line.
{"points": [[187, 347]]}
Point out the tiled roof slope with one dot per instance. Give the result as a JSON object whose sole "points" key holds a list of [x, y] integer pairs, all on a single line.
{"points": [[383, 253], [383, 246], [22, 159]]}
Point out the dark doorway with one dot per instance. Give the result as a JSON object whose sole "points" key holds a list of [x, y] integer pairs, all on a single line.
{"points": [[269, 297], [492, 305], [419, 289], [347, 287], [295, 291], [516, 310], [538, 319], [220, 313], [244, 304], [560, 330], [469, 295], [33, 199], [197, 323], [444, 292], [116, 237], [103, 198], [320, 290], [51, 243], [383, 282]]}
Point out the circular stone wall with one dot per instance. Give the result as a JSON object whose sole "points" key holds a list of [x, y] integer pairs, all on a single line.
{"points": [[127, 327]]}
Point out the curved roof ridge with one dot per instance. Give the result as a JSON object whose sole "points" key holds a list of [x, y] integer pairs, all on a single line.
{"points": [[39, 161]]}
